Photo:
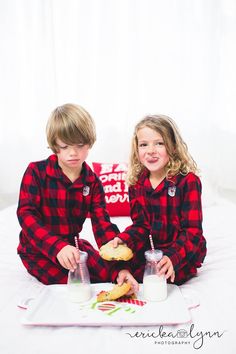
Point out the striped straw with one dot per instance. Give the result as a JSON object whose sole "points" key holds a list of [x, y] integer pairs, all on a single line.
{"points": [[80, 265], [153, 250], [151, 243], [76, 243]]}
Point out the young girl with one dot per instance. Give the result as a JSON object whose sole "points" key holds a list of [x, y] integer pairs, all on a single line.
{"points": [[165, 201], [56, 196]]}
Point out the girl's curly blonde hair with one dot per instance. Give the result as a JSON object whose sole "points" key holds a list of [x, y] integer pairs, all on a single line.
{"points": [[180, 161]]}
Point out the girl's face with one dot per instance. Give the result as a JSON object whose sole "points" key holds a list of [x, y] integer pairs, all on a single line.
{"points": [[71, 157], [152, 151]]}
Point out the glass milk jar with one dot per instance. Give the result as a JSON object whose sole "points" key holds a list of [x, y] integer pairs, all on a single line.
{"points": [[78, 284], [154, 285]]}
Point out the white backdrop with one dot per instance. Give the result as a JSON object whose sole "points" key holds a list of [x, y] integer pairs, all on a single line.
{"points": [[120, 59]]}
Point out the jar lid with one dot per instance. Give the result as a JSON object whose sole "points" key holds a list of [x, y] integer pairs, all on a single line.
{"points": [[153, 256]]}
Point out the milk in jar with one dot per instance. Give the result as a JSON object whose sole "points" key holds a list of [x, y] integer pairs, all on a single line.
{"points": [[154, 285], [78, 284], [79, 292]]}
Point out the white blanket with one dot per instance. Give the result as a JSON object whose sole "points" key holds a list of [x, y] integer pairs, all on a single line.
{"points": [[212, 328]]}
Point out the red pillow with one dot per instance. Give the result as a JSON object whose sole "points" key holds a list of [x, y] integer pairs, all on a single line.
{"points": [[112, 176]]}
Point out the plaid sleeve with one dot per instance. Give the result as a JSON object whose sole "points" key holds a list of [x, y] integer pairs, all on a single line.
{"points": [[31, 220], [104, 230], [190, 244], [136, 235]]}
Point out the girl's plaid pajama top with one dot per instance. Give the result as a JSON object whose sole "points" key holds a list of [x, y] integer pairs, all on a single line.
{"points": [[51, 211], [172, 214]]}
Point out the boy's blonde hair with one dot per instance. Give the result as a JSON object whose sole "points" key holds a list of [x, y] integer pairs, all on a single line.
{"points": [[72, 124], [180, 161]]}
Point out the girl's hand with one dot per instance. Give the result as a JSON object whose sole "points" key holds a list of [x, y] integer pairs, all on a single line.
{"points": [[68, 257], [166, 268], [124, 275], [116, 242]]}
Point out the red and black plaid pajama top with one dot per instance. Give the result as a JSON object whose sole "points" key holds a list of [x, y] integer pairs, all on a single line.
{"points": [[172, 214], [51, 211]]}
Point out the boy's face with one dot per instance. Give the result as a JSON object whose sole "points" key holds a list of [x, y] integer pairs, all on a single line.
{"points": [[71, 157]]}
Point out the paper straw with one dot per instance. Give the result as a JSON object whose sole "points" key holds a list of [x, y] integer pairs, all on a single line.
{"points": [[80, 265], [153, 250], [151, 243], [76, 243]]}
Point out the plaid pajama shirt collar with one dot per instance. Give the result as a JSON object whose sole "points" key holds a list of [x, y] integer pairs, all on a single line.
{"points": [[53, 170], [145, 182]]}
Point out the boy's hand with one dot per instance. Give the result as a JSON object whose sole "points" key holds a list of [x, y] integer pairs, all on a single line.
{"points": [[166, 267], [124, 275], [68, 257], [116, 242]]}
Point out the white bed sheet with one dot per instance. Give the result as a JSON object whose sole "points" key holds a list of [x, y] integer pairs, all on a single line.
{"points": [[214, 288]]}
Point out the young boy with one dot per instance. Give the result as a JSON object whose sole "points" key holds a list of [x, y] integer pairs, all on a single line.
{"points": [[56, 196]]}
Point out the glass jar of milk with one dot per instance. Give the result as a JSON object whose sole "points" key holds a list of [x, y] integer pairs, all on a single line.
{"points": [[154, 285], [78, 284]]}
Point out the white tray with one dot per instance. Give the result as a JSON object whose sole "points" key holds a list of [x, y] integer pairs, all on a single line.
{"points": [[53, 308]]}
